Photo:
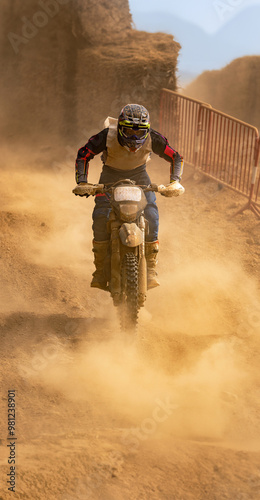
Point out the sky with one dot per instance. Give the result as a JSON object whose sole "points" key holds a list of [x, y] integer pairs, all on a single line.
{"points": [[218, 30], [210, 15]]}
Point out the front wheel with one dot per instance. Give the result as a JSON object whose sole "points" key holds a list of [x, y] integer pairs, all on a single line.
{"points": [[130, 303]]}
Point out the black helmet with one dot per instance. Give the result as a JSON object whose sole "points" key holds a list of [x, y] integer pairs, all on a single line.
{"points": [[133, 127]]}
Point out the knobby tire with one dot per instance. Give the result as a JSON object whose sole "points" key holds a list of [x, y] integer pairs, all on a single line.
{"points": [[130, 305]]}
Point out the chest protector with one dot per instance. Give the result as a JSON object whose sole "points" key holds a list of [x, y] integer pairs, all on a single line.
{"points": [[116, 156]]}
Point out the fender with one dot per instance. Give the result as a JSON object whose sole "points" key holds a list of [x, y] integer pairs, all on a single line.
{"points": [[130, 235]]}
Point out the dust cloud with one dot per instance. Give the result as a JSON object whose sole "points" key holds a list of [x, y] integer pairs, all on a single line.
{"points": [[94, 397], [189, 361]]}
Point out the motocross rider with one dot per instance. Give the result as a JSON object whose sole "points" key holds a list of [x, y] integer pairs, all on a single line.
{"points": [[126, 145]]}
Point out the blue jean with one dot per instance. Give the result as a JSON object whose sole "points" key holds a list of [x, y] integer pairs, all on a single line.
{"points": [[102, 206]]}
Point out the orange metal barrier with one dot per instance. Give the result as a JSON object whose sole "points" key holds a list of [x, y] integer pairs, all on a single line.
{"points": [[178, 122], [257, 189], [222, 147], [227, 150]]}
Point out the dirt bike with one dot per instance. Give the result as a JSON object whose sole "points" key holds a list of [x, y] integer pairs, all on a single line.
{"points": [[125, 266]]}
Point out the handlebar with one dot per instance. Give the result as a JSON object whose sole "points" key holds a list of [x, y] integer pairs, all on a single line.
{"points": [[106, 188], [103, 188]]}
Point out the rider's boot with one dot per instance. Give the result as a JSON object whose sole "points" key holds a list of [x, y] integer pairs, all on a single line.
{"points": [[151, 252], [100, 249]]}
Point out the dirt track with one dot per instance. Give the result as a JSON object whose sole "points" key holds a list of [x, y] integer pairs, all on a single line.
{"points": [[175, 416]]}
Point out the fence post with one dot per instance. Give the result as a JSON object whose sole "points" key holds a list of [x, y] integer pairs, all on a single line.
{"points": [[251, 205], [208, 141], [197, 140], [258, 184], [161, 110]]}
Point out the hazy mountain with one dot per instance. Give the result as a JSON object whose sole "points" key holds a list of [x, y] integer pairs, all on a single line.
{"points": [[200, 50]]}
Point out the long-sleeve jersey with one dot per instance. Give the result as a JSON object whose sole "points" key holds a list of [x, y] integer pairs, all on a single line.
{"points": [[97, 144]]}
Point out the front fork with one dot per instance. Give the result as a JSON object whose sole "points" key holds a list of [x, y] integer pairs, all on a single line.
{"points": [[115, 281], [142, 265]]}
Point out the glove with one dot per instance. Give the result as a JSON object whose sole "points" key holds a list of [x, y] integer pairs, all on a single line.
{"points": [[172, 189], [84, 189]]}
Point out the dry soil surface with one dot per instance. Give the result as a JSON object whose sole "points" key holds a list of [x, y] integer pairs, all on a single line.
{"points": [[173, 415]]}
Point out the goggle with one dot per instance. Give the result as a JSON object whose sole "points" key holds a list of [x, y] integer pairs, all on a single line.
{"points": [[132, 132]]}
